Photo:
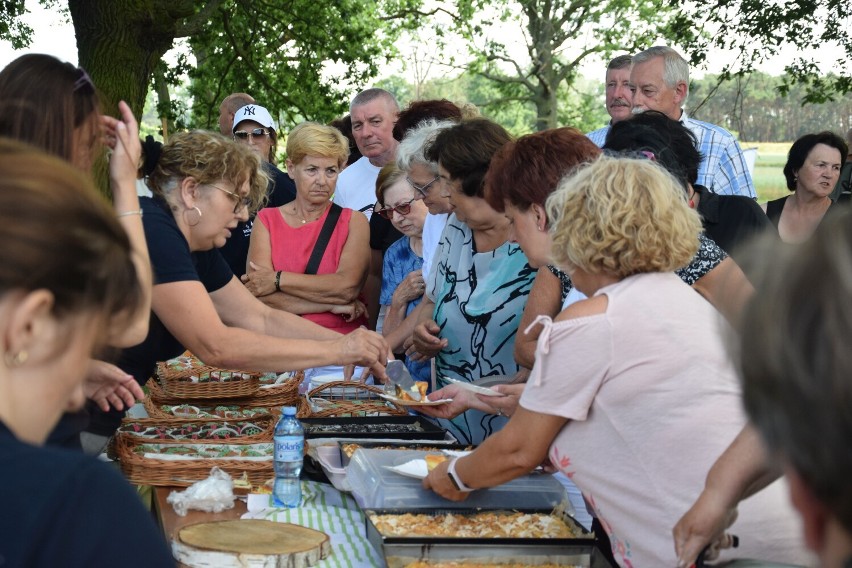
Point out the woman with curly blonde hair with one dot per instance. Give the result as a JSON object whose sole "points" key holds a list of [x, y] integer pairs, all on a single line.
{"points": [[632, 395]]}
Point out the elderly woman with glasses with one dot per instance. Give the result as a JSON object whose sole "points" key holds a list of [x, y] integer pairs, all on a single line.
{"points": [[402, 274], [203, 185], [254, 127], [288, 238]]}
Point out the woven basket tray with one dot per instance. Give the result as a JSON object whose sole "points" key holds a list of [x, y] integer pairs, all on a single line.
{"points": [[179, 383], [265, 425], [348, 398], [153, 407], [283, 394], [182, 473]]}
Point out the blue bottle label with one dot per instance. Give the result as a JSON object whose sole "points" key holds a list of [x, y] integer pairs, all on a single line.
{"points": [[289, 448]]}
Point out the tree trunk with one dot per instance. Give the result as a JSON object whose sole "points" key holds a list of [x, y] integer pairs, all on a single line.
{"points": [[119, 44]]}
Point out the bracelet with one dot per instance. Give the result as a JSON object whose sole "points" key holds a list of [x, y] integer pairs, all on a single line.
{"points": [[278, 281], [455, 479], [128, 213]]}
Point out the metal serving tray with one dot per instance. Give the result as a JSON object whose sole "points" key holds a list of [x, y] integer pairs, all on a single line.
{"points": [[402, 551], [397, 427]]}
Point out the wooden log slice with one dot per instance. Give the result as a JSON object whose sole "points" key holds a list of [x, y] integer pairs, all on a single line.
{"points": [[248, 542]]}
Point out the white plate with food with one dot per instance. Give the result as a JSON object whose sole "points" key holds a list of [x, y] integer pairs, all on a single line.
{"points": [[424, 402], [418, 468], [473, 388]]}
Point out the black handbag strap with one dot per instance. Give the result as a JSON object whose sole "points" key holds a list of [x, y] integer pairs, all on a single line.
{"points": [[324, 236]]}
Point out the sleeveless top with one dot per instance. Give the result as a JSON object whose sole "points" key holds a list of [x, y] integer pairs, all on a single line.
{"points": [[292, 246], [774, 209]]}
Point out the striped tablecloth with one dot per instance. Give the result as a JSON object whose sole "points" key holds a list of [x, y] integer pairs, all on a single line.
{"points": [[326, 509]]}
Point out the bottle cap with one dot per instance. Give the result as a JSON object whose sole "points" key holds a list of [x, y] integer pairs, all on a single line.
{"points": [[288, 410]]}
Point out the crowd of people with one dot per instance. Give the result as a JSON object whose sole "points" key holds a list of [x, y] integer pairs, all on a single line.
{"points": [[667, 346]]}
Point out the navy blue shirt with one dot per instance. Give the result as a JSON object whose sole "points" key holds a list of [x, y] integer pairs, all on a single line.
{"points": [[171, 261], [63, 508]]}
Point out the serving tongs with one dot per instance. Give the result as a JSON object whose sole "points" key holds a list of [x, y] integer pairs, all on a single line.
{"points": [[399, 379]]}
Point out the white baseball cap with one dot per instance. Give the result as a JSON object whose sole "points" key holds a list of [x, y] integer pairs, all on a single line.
{"points": [[253, 112]]}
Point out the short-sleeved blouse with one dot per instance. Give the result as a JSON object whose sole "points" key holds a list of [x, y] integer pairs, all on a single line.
{"points": [[652, 400], [479, 300], [399, 261]]}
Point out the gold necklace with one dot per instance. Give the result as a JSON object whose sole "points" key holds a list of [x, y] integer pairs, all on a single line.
{"points": [[302, 219]]}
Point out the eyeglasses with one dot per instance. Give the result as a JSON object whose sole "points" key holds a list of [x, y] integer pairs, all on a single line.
{"points": [[402, 209], [421, 189], [256, 133], [242, 202]]}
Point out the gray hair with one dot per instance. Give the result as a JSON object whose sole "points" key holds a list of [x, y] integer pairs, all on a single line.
{"points": [[675, 69], [412, 149], [620, 62], [369, 95], [795, 360]]}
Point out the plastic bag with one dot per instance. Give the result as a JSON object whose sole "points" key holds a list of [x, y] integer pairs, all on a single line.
{"points": [[213, 495]]}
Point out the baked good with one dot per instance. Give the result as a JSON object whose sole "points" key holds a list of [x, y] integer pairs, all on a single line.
{"points": [[421, 386], [491, 524], [433, 460]]}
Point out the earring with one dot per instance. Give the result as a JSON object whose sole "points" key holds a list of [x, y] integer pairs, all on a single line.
{"points": [[17, 359], [186, 216]]}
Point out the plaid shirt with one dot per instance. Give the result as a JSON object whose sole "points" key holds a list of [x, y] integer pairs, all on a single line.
{"points": [[723, 168]]}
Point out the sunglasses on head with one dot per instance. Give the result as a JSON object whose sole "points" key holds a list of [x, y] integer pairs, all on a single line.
{"points": [[402, 209], [256, 133]]}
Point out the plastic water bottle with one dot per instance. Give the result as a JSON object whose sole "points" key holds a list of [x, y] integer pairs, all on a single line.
{"points": [[289, 453]]}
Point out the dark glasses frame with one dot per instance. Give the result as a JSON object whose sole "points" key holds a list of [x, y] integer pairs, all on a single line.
{"points": [[421, 189], [402, 209]]}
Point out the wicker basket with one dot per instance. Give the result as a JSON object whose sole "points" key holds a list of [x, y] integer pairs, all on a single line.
{"points": [[346, 398], [265, 424], [153, 407], [284, 394], [232, 384], [141, 470]]}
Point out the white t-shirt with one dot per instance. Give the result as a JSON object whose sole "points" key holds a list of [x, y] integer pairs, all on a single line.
{"points": [[652, 400], [356, 187], [433, 227]]}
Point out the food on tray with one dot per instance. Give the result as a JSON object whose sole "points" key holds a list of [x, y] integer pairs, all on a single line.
{"points": [[251, 452], [421, 386], [232, 412], [355, 428], [349, 449], [199, 431], [492, 524], [434, 460]]}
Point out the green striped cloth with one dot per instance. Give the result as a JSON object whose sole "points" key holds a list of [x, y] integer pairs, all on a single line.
{"points": [[325, 509]]}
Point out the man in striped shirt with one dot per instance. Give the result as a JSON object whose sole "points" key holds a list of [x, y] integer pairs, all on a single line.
{"points": [[659, 78]]}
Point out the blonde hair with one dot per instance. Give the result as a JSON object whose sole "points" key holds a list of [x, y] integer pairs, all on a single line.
{"points": [[622, 216], [314, 139], [208, 157]]}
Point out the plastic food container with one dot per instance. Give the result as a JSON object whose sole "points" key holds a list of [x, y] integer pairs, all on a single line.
{"points": [[374, 486]]}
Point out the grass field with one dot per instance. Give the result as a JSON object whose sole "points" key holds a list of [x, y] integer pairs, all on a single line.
{"points": [[768, 175]]}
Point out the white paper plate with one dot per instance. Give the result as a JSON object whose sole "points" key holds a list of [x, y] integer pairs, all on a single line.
{"points": [[415, 468], [424, 402], [473, 388]]}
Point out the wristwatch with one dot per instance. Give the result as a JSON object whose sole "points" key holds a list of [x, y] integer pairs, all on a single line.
{"points": [[455, 479]]}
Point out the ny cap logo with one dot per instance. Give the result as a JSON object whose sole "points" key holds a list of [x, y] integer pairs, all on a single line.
{"points": [[249, 110]]}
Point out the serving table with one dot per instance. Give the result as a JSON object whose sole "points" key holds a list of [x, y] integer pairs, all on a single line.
{"points": [[323, 508]]}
